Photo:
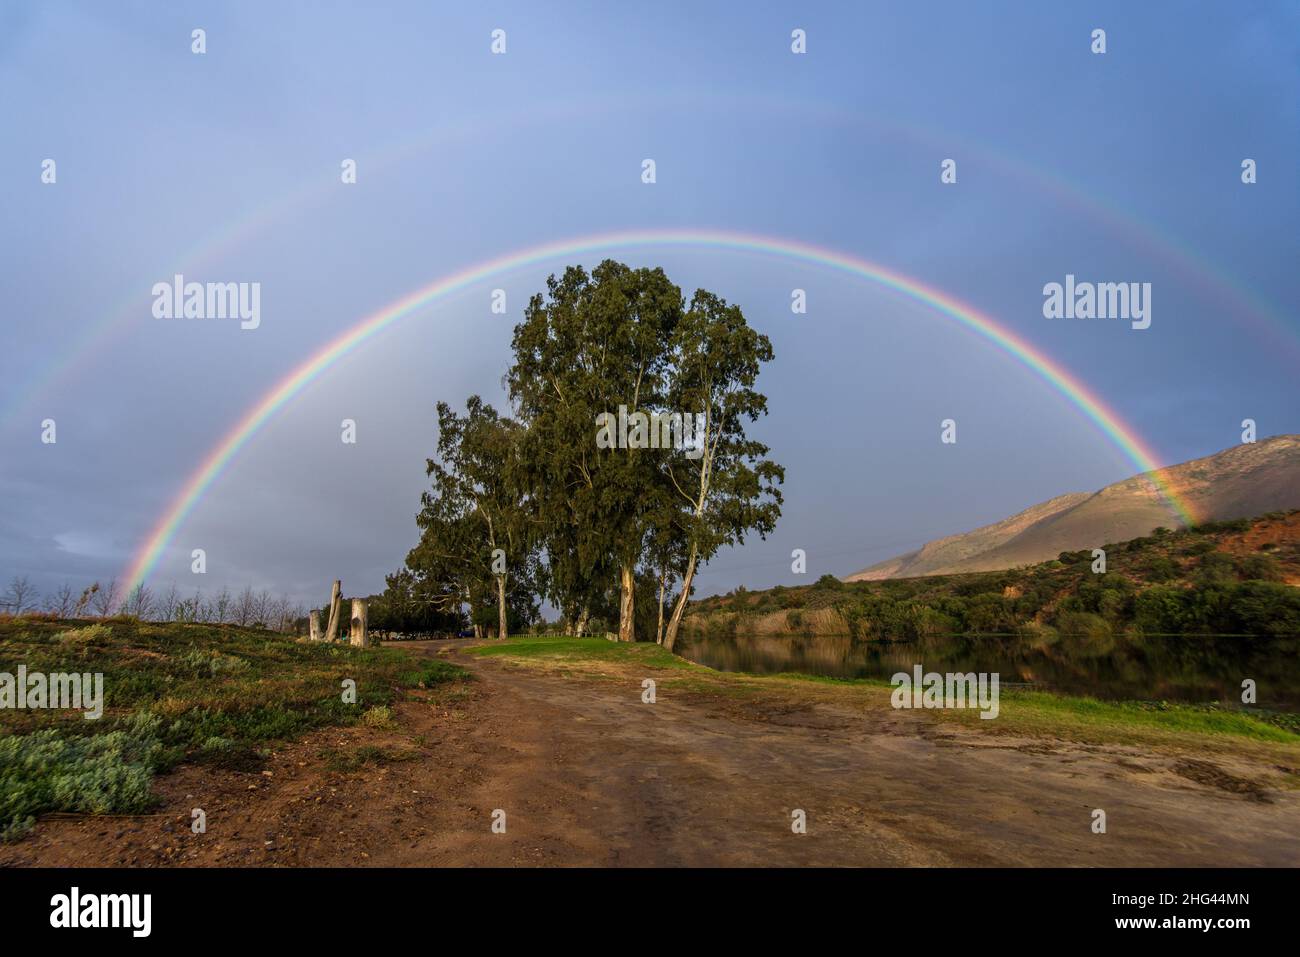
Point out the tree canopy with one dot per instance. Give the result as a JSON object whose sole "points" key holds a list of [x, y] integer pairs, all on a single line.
{"points": [[548, 503]]}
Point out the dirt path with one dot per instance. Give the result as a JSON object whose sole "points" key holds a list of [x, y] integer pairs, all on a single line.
{"points": [[587, 774]]}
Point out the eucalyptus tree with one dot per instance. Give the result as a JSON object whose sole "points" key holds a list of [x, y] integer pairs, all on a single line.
{"points": [[590, 345], [475, 542], [728, 487]]}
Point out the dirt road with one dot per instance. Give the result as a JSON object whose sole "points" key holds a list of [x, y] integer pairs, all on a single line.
{"points": [[588, 774]]}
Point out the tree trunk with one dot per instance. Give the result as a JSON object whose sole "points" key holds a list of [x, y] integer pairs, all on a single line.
{"points": [[501, 606], [626, 604], [332, 631], [357, 632], [673, 623], [583, 617], [313, 622], [659, 629]]}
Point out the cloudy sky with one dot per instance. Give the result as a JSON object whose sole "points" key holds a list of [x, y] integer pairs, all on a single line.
{"points": [[225, 167]]}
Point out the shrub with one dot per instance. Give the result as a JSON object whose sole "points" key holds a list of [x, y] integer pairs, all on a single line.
{"points": [[1216, 568], [52, 771], [1082, 624], [1161, 569], [1259, 568]]}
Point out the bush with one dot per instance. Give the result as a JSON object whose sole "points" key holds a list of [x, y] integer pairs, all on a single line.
{"points": [[95, 774], [1259, 568], [1216, 568], [1161, 569], [1082, 624], [1264, 609]]}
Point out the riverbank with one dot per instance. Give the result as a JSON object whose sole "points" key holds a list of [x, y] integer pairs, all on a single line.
{"points": [[556, 739]]}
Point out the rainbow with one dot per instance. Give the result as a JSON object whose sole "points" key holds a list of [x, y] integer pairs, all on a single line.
{"points": [[215, 463], [1239, 300]]}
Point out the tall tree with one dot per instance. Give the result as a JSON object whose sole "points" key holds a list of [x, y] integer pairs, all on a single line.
{"points": [[591, 345], [475, 541], [729, 488]]}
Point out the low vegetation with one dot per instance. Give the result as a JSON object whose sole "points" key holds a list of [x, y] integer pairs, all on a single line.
{"points": [[1221, 579], [213, 694]]}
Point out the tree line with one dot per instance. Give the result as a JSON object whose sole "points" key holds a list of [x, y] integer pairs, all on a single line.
{"points": [[530, 506], [247, 608]]}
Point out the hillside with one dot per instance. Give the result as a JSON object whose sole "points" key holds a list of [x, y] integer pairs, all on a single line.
{"points": [[1238, 577], [1239, 482]]}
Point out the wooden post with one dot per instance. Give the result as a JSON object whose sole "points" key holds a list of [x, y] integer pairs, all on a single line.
{"points": [[332, 632], [313, 622], [360, 637]]}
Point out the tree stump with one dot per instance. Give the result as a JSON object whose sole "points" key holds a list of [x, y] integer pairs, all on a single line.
{"points": [[313, 622], [332, 632], [360, 636]]}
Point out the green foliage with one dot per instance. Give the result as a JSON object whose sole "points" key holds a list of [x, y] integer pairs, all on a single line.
{"points": [[626, 338], [430, 674], [210, 694], [1259, 568], [1082, 625], [1148, 589], [476, 546], [1160, 568], [412, 605], [1218, 528], [1245, 608], [1216, 568], [98, 774]]}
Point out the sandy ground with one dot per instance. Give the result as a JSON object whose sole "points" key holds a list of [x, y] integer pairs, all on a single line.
{"points": [[587, 774]]}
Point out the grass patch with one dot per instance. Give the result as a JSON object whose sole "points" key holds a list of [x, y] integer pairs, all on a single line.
{"points": [[583, 649], [431, 674], [1127, 722], [380, 717], [365, 756]]}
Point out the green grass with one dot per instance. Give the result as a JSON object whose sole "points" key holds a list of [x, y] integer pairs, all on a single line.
{"points": [[208, 694], [1034, 713], [584, 649]]}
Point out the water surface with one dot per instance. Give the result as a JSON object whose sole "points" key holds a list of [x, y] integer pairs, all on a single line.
{"points": [[1180, 668]]}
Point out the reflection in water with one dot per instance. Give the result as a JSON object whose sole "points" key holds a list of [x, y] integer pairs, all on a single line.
{"points": [[1182, 668]]}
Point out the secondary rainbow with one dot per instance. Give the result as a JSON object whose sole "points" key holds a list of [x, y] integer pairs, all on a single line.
{"points": [[212, 466], [1238, 300]]}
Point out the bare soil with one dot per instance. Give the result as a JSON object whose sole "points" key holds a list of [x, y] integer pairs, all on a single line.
{"points": [[588, 774]]}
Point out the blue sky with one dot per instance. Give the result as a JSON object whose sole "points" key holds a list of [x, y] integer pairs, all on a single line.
{"points": [[1116, 167]]}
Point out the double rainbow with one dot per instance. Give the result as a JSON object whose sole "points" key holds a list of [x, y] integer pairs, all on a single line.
{"points": [[216, 461]]}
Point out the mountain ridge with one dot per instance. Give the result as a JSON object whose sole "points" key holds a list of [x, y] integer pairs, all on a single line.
{"points": [[1238, 482]]}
